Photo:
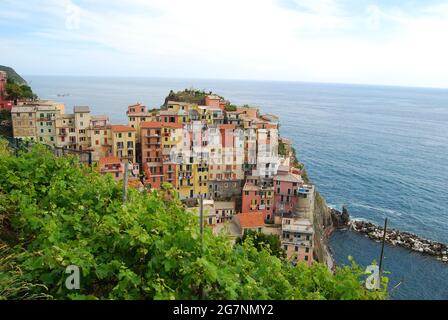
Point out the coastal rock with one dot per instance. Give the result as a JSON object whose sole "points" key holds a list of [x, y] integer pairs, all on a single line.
{"points": [[402, 239]]}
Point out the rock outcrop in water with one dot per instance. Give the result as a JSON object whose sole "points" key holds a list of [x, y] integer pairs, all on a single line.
{"points": [[401, 239], [340, 219]]}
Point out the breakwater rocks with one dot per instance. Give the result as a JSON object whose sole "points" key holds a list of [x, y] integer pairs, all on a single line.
{"points": [[401, 239]]}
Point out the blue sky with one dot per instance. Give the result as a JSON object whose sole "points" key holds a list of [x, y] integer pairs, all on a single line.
{"points": [[348, 41]]}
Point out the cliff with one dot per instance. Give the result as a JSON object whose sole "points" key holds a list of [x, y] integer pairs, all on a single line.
{"points": [[13, 75], [323, 226]]}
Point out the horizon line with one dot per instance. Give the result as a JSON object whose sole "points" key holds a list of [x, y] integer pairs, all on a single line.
{"points": [[239, 79]]}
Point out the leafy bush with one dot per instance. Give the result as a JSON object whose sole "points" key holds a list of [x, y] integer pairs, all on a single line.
{"points": [[55, 212]]}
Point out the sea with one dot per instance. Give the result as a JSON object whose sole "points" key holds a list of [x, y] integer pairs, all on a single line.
{"points": [[381, 151]]}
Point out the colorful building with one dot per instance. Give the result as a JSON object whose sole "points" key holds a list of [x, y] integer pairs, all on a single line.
{"points": [[297, 238], [286, 187], [123, 142], [111, 165], [249, 221]]}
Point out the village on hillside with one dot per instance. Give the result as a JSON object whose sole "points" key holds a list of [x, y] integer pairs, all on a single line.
{"points": [[230, 157]]}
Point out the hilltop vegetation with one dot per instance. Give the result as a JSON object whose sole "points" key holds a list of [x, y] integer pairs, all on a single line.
{"points": [[13, 75], [55, 212], [188, 95]]}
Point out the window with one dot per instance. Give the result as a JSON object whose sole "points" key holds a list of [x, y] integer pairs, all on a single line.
{"points": [[97, 142], [285, 247], [296, 248], [81, 124], [51, 138], [119, 135], [307, 250], [306, 258], [130, 134]]}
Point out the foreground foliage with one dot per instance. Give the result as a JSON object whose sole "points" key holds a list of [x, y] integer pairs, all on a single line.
{"points": [[55, 213]]}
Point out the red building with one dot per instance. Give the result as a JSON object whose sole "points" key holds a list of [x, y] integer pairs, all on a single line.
{"points": [[4, 104]]}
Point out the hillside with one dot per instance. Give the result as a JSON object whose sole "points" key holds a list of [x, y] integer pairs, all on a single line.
{"points": [[55, 213], [13, 75]]}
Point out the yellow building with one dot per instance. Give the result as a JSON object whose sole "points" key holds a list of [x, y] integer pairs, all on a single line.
{"points": [[123, 142], [24, 122], [100, 137], [138, 113], [46, 114], [82, 123], [66, 131], [36, 120]]}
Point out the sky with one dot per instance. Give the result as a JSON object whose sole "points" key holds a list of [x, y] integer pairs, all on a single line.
{"points": [[400, 42]]}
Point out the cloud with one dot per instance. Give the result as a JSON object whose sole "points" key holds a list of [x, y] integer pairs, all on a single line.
{"points": [[319, 40]]}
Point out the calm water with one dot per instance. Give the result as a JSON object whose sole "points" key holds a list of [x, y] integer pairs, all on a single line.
{"points": [[382, 151]]}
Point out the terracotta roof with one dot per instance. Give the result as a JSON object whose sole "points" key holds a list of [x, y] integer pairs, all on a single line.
{"points": [[109, 160], [172, 125], [227, 126], [158, 124], [122, 128], [251, 219], [150, 124]]}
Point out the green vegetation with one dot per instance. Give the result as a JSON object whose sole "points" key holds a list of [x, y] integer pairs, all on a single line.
{"points": [[5, 130], [55, 212], [188, 95], [263, 241], [230, 107], [16, 90], [282, 150], [13, 75]]}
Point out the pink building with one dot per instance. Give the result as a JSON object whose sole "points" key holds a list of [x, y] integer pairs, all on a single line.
{"points": [[286, 186], [214, 102], [258, 197]]}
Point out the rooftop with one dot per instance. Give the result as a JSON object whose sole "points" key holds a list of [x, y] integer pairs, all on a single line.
{"points": [[81, 109], [224, 204], [289, 177], [251, 219], [121, 128], [109, 160]]}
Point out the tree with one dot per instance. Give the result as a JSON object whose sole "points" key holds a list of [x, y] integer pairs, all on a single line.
{"points": [[262, 241], [18, 91], [55, 212]]}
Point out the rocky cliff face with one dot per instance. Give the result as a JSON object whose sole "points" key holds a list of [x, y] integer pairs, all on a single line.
{"points": [[323, 226]]}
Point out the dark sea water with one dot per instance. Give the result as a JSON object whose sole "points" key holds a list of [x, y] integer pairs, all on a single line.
{"points": [[382, 151]]}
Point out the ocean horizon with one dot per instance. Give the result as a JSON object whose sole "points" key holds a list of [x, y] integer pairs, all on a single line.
{"points": [[380, 150]]}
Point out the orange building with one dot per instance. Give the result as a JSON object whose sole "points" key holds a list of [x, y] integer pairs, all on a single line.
{"points": [[249, 221], [111, 165]]}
